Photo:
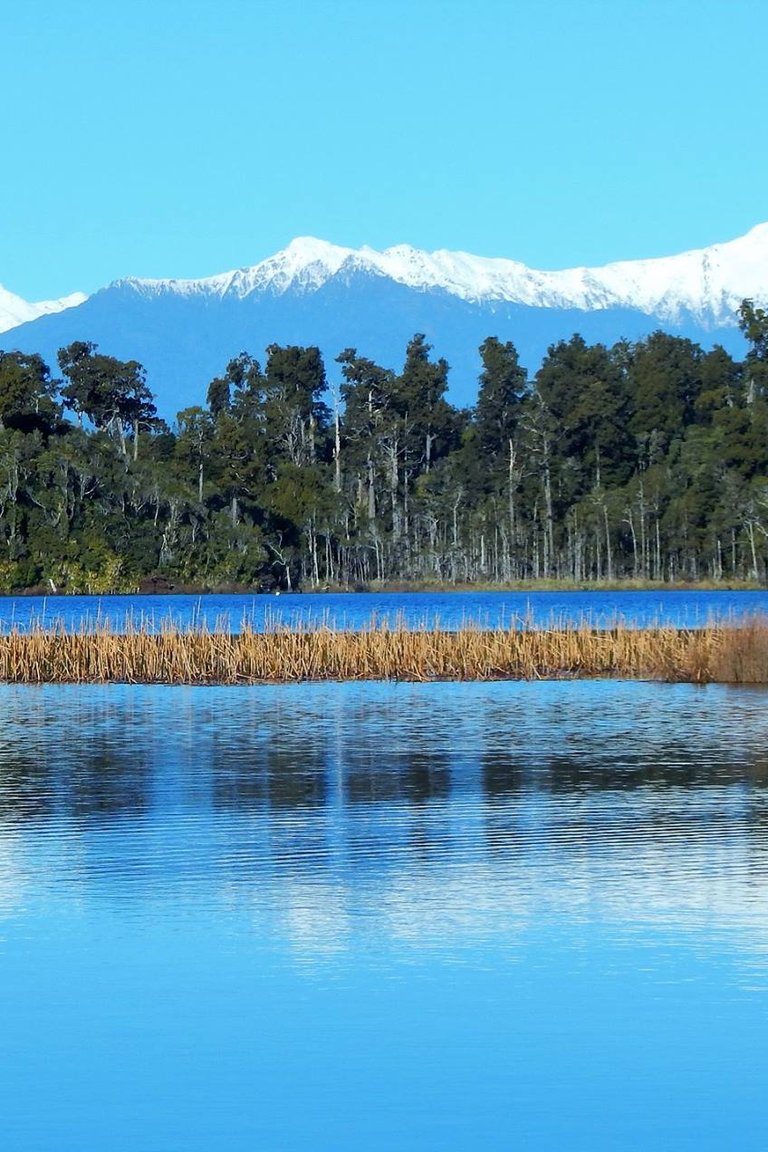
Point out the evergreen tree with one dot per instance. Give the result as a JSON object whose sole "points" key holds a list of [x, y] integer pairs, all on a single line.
{"points": [[111, 393], [503, 388], [28, 395], [665, 379]]}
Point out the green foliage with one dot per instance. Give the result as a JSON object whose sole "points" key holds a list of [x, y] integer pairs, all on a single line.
{"points": [[645, 460], [98, 572], [754, 324], [503, 389], [111, 393], [665, 380], [27, 393]]}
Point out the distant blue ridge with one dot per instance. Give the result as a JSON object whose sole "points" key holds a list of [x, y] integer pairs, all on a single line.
{"points": [[185, 341]]}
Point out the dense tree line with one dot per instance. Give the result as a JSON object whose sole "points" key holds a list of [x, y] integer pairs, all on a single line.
{"points": [[645, 460]]}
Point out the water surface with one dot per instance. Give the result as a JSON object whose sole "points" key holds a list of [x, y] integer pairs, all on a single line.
{"points": [[379, 916], [352, 610]]}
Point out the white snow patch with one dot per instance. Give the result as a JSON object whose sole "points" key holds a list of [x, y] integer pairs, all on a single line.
{"points": [[15, 311]]}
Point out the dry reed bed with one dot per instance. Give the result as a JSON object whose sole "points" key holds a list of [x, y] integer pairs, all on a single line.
{"points": [[735, 653]]}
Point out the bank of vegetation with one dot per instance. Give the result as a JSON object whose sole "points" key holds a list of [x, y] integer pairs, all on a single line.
{"points": [[717, 652], [641, 461]]}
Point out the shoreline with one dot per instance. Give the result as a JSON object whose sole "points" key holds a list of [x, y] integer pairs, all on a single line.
{"points": [[406, 587]]}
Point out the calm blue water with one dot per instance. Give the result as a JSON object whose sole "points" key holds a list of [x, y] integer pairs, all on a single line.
{"points": [[353, 610], [377, 916]]}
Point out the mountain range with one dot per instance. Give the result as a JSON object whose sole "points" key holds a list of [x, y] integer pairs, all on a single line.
{"points": [[313, 292]]}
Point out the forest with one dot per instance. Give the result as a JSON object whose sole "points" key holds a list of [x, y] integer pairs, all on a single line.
{"points": [[643, 461]]}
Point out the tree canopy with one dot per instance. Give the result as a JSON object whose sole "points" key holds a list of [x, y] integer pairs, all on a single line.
{"points": [[644, 460]]}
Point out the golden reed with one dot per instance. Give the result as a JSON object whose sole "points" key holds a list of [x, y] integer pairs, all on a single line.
{"points": [[730, 653]]}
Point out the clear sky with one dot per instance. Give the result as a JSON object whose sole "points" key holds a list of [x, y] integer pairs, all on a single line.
{"points": [[170, 138]]}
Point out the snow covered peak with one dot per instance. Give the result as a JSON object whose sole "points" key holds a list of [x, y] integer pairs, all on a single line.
{"points": [[306, 264], [309, 250], [15, 311], [707, 284]]}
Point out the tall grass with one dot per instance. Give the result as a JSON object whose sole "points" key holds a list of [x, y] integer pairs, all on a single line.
{"points": [[736, 653]]}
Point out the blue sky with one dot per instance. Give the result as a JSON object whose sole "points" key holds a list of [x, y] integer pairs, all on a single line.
{"points": [[181, 139]]}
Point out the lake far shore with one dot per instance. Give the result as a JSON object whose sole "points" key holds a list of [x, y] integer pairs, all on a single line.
{"points": [[170, 588]]}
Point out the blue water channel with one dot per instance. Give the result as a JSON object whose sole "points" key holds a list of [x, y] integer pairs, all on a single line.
{"points": [[353, 610], [439, 917]]}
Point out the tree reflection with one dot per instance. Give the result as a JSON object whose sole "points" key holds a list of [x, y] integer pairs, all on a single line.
{"points": [[25, 785], [502, 776], [320, 789], [107, 780]]}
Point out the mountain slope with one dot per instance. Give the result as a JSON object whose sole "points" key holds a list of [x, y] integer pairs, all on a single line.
{"points": [[312, 292]]}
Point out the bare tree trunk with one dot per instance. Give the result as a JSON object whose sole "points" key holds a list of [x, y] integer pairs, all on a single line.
{"points": [[337, 444], [313, 551], [391, 450], [511, 494], [608, 553], [751, 534], [643, 539], [631, 523], [371, 491], [550, 538], [429, 439]]}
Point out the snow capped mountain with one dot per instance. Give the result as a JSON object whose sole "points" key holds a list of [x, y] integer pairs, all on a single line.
{"points": [[15, 311], [707, 284], [315, 293]]}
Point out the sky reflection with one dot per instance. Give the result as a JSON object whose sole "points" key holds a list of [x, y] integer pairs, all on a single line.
{"points": [[379, 916]]}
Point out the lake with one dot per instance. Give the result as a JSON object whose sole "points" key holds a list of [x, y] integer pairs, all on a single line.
{"points": [[379, 916], [355, 610]]}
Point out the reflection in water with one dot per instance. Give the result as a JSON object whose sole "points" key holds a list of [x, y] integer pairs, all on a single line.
{"points": [[441, 917], [466, 802]]}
